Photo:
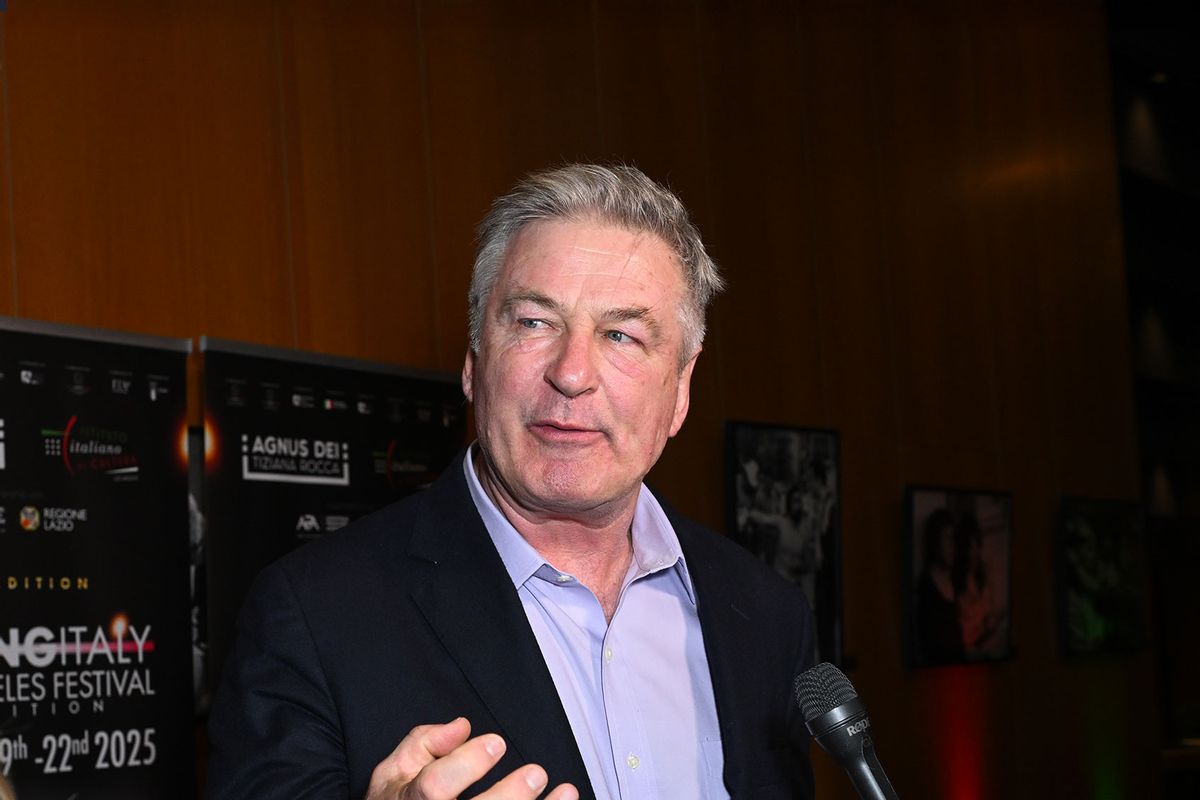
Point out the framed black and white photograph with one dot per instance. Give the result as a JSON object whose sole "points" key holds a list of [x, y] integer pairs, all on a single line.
{"points": [[958, 575], [783, 505], [1103, 584]]}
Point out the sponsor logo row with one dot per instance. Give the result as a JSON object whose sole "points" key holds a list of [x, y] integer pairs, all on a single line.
{"points": [[274, 396], [81, 381], [240, 393], [33, 519]]}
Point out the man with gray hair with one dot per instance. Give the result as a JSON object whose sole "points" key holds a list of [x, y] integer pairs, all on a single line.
{"points": [[577, 632]]}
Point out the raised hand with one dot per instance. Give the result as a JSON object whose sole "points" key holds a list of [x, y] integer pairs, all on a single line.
{"points": [[438, 762]]}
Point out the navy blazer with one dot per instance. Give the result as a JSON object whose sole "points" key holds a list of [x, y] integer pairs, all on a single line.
{"points": [[408, 617]]}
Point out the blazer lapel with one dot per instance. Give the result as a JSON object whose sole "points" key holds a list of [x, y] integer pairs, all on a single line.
{"points": [[725, 623], [470, 602]]}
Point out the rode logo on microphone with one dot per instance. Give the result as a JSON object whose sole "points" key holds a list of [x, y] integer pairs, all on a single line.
{"points": [[858, 727]]}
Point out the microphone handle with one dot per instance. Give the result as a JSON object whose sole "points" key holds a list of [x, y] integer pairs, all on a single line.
{"points": [[868, 777]]}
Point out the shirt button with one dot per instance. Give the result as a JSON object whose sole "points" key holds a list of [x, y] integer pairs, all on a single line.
{"points": [[608, 655], [563, 579], [633, 761]]}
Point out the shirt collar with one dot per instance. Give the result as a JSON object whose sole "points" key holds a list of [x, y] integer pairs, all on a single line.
{"points": [[655, 545]]}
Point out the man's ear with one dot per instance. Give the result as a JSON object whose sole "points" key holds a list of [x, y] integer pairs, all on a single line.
{"points": [[683, 394], [468, 373]]}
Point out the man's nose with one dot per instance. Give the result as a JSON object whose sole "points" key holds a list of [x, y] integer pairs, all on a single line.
{"points": [[572, 371]]}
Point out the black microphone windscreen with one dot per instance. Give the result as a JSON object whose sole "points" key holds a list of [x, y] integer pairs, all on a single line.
{"points": [[821, 689]]}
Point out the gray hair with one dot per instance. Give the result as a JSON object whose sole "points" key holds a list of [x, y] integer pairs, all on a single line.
{"points": [[616, 194]]}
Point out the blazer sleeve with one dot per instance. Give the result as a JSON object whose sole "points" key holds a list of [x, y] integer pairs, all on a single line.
{"points": [[806, 659], [273, 728]]}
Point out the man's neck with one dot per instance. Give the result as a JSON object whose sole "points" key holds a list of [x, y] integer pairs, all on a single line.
{"points": [[596, 547]]}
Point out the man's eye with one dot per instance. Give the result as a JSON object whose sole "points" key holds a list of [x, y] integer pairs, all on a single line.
{"points": [[531, 324], [619, 337]]}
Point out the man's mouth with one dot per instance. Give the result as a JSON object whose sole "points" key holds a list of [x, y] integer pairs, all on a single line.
{"points": [[562, 432]]}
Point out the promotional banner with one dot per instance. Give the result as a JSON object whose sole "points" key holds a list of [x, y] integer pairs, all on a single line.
{"points": [[299, 445], [95, 643]]}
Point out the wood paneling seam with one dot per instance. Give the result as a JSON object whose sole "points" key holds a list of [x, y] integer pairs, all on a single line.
{"points": [[288, 246], [431, 243], [8, 171]]}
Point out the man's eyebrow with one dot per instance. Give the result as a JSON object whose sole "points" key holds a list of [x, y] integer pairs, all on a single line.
{"points": [[530, 296], [631, 313], [641, 314]]}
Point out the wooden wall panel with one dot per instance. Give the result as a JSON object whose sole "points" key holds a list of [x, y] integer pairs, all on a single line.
{"points": [[8, 296], [145, 190], [943, 354], [762, 217], [94, 139], [229, 193], [648, 83], [1085, 295], [357, 146]]}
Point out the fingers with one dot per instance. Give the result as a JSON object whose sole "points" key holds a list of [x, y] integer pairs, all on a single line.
{"points": [[446, 777], [527, 783], [564, 791], [419, 748], [439, 762], [427, 742]]}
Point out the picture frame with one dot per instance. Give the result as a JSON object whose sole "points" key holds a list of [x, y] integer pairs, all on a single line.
{"points": [[957, 575], [1102, 577], [783, 501]]}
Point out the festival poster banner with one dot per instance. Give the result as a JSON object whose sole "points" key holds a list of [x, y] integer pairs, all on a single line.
{"points": [[299, 445], [95, 651]]}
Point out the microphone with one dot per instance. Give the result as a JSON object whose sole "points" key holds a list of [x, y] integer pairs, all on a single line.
{"points": [[838, 720]]}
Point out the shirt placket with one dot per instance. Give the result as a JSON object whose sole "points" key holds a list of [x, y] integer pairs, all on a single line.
{"points": [[632, 758]]}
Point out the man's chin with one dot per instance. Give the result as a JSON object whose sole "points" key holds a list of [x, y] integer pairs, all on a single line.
{"points": [[578, 489]]}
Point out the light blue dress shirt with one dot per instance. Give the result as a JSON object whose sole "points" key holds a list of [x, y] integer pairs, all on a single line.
{"points": [[637, 691]]}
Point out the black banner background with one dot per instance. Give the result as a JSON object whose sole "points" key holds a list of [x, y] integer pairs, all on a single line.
{"points": [[95, 664], [300, 445]]}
